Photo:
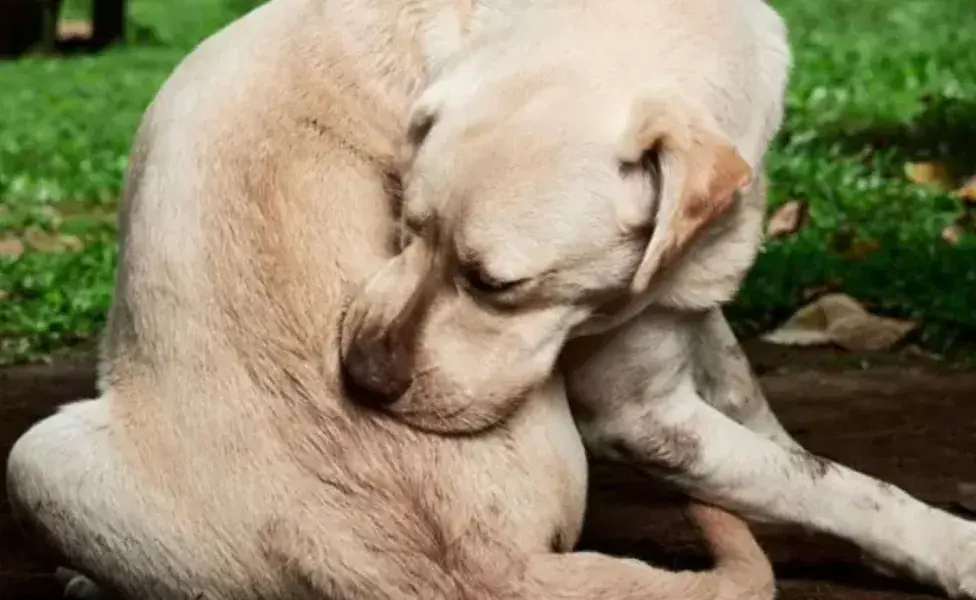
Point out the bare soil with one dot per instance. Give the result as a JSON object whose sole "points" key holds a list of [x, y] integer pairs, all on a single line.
{"points": [[903, 418]]}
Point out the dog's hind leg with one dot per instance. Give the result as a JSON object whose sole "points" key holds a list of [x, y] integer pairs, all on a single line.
{"points": [[68, 486], [742, 571], [49, 470]]}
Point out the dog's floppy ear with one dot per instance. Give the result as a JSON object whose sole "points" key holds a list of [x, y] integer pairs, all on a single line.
{"points": [[694, 167]]}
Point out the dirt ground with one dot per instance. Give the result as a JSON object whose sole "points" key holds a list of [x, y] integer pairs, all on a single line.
{"points": [[905, 420]]}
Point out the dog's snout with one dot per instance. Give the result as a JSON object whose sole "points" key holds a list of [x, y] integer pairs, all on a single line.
{"points": [[375, 373]]}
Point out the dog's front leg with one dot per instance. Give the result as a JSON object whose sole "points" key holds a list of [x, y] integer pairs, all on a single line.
{"points": [[726, 380], [714, 458]]}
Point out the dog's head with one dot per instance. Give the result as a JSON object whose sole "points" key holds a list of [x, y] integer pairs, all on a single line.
{"points": [[531, 205]]}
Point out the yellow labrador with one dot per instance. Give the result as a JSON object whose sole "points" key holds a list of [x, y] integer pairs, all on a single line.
{"points": [[584, 190], [223, 459]]}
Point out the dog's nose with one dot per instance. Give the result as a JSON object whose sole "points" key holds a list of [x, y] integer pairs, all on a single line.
{"points": [[374, 374]]}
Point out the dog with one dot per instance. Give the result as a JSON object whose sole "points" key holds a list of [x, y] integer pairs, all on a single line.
{"points": [[223, 458], [584, 188]]}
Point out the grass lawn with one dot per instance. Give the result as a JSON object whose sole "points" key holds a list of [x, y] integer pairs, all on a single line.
{"points": [[876, 84]]}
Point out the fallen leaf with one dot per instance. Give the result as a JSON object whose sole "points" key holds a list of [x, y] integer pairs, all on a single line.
{"points": [[968, 191], [787, 219], [11, 247], [71, 242], [797, 336], [862, 333], [931, 174], [859, 249], [952, 234], [837, 306], [46, 242], [841, 320], [808, 326]]}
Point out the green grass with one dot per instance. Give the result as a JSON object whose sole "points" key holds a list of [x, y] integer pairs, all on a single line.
{"points": [[65, 130], [876, 84]]}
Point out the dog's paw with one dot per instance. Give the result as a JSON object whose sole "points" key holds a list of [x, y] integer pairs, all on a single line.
{"points": [[77, 586], [950, 562], [967, 572], [962, 582]]}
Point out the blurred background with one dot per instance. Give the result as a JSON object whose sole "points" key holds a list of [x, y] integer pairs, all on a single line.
{"points": [[868, 177]]}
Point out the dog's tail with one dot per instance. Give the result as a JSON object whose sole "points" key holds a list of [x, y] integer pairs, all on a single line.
{"points": [[741, 566]]}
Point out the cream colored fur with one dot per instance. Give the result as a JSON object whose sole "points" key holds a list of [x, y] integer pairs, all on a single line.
{"points": [[584, 190], [222, 459]]}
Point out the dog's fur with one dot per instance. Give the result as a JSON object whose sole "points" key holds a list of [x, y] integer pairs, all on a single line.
{"points": [[223, 458], [584, 189]]}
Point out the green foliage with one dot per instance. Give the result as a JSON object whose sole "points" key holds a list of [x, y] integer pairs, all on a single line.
{"points": [[876, 83], [65, 130]]}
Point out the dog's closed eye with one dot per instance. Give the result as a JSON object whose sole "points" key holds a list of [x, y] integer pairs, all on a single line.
{"points": [[476, 278]]}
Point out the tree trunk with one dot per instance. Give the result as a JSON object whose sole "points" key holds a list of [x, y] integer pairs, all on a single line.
{"points": [[108, 22], [27, 24]]}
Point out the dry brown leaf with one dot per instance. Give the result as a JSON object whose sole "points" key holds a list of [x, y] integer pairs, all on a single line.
{"points": [[968, 191], [841, 320], [859, 249], [787, 219], [46, 242], [931, 174], [952, 234], [807, 326], [861, 333], [12, 247], [72, 243], [797, 336]]}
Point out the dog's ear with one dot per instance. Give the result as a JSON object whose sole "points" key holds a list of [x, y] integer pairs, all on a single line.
{"points": [[693, 167]]}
